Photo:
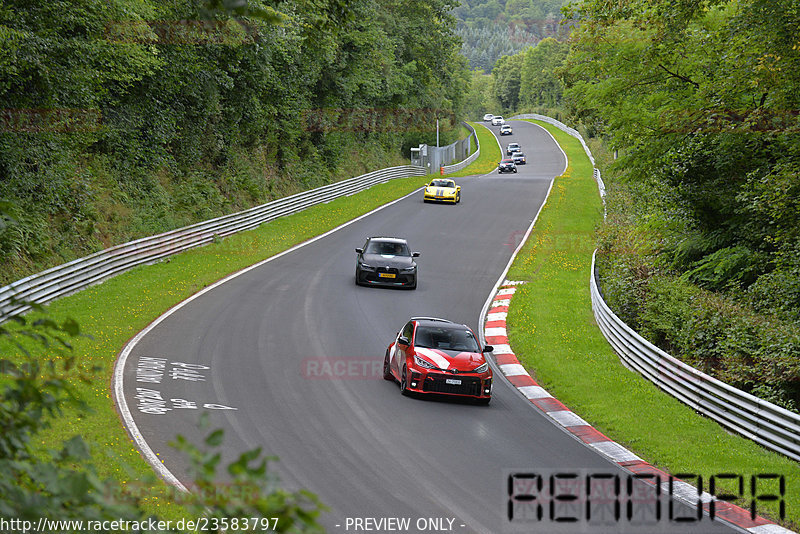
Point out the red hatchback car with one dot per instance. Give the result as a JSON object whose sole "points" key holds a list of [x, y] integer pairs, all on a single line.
{"points": [[431, 355]]}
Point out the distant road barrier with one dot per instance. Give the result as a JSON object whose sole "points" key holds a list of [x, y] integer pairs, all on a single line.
{"points": [[83, 272], [574, 133], [765, 423]]}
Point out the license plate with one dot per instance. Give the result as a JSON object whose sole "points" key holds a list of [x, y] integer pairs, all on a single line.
{"points": [[453, 381], [387, 275]]}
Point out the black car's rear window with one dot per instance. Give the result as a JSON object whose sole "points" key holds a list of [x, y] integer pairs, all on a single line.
{"points": [[445, 338], [389, 248]]}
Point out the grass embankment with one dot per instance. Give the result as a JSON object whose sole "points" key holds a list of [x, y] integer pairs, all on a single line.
{"points": [[490, 153], [117, 309], [553, 333]]}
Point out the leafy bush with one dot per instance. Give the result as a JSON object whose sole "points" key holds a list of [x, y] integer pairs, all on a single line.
{"points": [[686, 295], [64, 485], [712, 332], [159, 133]]}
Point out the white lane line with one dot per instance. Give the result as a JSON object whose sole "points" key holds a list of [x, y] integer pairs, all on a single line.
{"points": [[119, 368]]}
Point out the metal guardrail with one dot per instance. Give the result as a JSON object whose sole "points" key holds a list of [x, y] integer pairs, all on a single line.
{"points": [[83, 272], [472, 157], [765, 423]]}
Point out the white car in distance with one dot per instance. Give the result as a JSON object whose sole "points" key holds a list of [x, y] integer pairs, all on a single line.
{"points": [[497, 120]]}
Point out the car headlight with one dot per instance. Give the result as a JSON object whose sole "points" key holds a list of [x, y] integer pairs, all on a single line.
{"points": [[481, 368], [422, 363], [366, 266], [408, 269]]}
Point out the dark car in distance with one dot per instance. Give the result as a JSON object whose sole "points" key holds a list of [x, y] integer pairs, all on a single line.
{"points": [[386, 261], [506, 165], [519, 158]]}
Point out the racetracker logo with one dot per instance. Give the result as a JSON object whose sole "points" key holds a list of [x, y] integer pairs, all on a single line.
{"points": [[181, 32], [342, 368], [371, 120], [54, 120], [731, 121]]}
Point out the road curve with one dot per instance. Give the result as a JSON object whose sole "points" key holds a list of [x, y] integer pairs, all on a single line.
{"points": [[286, 357]]}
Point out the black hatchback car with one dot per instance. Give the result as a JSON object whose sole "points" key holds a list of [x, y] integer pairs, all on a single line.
{"points": [[386, 261]]}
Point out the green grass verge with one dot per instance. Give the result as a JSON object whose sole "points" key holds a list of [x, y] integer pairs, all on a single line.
{"points": [[490, 153], [114, 311], [552, 330]]}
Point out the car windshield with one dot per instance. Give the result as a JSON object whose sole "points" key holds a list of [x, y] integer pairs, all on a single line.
{"points": [[443, 183], [444, 338], [388, 248]]}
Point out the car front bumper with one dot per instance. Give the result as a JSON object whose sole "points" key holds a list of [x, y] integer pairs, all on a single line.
{"points": [[374, 278], [440, 198], [472, 385]]}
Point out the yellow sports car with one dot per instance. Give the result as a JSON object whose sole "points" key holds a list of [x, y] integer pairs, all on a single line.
{"points": [[443, 190]]}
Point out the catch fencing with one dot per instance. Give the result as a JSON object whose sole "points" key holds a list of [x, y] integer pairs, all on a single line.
{"points": [[436, 158], [472, 157], [765, 423]]}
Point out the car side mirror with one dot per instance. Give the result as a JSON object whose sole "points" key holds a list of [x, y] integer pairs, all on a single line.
{"points": [[360, 250], [488, 348], [403, 341], [415, 254]]}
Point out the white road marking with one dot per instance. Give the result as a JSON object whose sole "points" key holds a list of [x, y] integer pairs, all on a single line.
{"points": [[615, 451], [497, 331], [535, 392], [567, 418], [513, 369]]}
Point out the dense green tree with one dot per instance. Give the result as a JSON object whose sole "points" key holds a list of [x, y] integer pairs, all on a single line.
{"points": [[492, 29], [139, 113], [698, 94], [130, 117], [507, 77], [540, 85], [701, 247], [480, 99]]}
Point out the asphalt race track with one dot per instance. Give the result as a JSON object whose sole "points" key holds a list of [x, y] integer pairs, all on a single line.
{"points": [[288, 356]]}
